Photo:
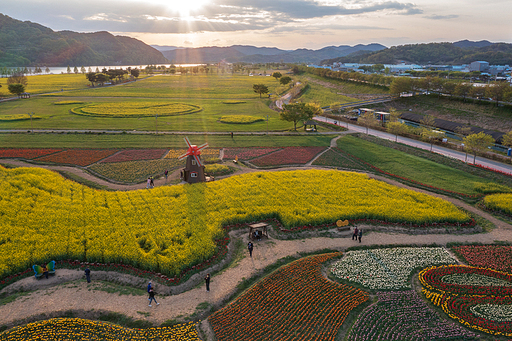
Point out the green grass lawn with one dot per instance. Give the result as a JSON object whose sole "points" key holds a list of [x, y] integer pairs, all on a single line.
{"points": [[208, 119], [214, 94], [323, 96], [349, 87], [185, 86], [66, 140], [411, 166]]}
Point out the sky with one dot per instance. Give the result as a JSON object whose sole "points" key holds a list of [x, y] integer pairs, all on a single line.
{"points": [[285, 24]]}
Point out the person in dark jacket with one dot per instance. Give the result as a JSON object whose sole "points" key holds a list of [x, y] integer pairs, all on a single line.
{"points": [[250, 247], [360, 234], [207, 281], [152, 297], [88, 274]]}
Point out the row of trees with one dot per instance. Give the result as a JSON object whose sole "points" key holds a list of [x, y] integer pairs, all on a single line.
{"points": [[113, 75], [497, 91], [473, 143]]}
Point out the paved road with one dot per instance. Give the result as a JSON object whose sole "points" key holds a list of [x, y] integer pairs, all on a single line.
{"points": [[423, 145]]}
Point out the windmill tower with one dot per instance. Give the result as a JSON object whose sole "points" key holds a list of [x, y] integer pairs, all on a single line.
{"points": [[194, 168]]}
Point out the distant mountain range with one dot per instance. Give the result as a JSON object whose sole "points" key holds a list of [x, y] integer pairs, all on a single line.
{"points": [[24, 43], [461, 52], [252, 54]]}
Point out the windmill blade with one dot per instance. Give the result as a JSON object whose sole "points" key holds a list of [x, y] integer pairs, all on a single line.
{"points": [[204, 145], [183, 156], [187, 141], [197, 160]]}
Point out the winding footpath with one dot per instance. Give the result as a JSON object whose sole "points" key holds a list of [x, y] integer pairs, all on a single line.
{"points": [[67, 290]]}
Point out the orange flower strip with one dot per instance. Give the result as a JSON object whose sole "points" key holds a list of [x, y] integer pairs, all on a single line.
{"points": [[294, 303]]}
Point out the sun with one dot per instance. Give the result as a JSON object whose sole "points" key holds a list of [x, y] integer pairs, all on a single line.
{"points": [[184, 7]]}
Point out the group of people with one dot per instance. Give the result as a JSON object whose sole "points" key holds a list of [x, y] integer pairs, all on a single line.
{"points": [[358, 233], [150, 182]]}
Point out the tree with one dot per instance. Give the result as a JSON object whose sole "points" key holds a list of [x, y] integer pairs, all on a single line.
{"points": [[428, 132], [399, 85], [296, 112], [396, 128], [75, 70], [17, 78], [507, 139], [295, 69], [464, 131], [69, 69], [82, 69], [16, 89], [463, 90], [135, 72], [260, 89], [367, 119], [315, 108], [277, 75], [478, 143], [285, 80], [497, 91]]}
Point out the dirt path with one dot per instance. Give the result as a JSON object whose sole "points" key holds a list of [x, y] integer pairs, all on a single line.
{"points": [[53, 296]]}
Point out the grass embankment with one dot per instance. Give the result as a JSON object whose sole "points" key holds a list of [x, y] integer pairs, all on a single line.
{"points": [[439, 173]]}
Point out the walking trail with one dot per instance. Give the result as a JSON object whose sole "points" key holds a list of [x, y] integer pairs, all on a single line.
{"points": [[67, 290]]}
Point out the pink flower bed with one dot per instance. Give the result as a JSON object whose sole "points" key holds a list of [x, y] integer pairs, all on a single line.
{"points": [[79, 157], [136, 155], [247, 153], [288, 156], [26, 153]]}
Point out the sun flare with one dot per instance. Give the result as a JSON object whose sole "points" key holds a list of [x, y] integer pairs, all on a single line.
{"points": [[185, 8]]}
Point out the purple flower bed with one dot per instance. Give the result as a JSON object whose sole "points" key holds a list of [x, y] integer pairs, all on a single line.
{"points": [[136, 155], [247, 153], [403, 315]]}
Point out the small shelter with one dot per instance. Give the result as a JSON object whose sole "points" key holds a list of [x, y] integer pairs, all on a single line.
{"points": [[258, 231], [311, 124], [25, 95]]}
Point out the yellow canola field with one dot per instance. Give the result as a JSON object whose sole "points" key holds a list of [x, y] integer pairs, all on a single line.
{"points": [[500, 202], [166, 229]]}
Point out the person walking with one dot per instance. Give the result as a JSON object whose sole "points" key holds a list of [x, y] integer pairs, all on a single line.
{"points": [[166, 174], [360, 234], [45, 271], [250, 247], [151, 182], [354, 236], [207, 281], [150, 287], [88, 274], [148, 183], [152, 297]]}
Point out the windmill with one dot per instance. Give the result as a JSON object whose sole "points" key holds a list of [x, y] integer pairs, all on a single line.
{"points": [[194, 168]]}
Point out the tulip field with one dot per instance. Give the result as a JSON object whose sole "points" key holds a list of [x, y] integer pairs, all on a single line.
{"points": [[404, 315], [496, 257], [479, 298], [389, 268], [295, 302], [170, 228], [287, 156], [61, 329], [78, 157]]}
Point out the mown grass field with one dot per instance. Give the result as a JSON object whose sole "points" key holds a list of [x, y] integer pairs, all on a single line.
{"points": [[348, 87], [412, 167], [213, 94], [49, 83], [323, 96]]}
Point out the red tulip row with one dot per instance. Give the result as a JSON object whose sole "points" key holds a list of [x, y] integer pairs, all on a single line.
{"points": [[410, 180], [288, 156], [475, 306], [496, 257], [293, 303], [492, 169], [78, 157], [26, 153]]}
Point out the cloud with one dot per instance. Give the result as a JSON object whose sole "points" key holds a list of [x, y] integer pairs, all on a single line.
{"points": [[441, 17], [219, 16]]}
